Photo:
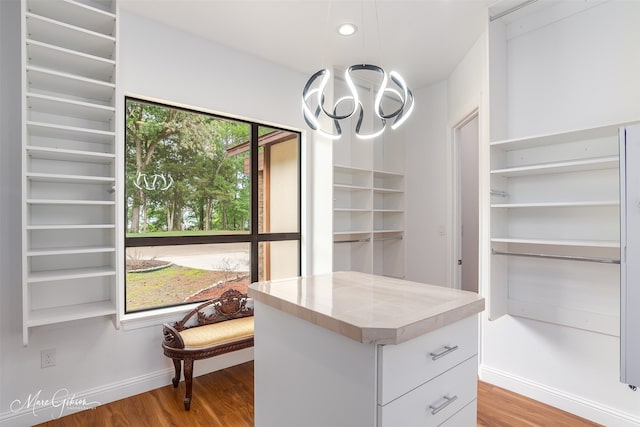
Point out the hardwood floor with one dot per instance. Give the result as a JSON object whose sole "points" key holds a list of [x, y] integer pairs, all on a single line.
{"points": [[225, 399], [498, 407]]}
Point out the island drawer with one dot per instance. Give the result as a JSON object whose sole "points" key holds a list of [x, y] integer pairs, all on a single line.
{"points": [[405, 366], [467, 416], [435, 402]]}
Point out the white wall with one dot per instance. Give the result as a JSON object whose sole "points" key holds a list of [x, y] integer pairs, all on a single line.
{"points": [[427, 201], [94, 360], [467, 94], [429, 167], [466, 82], [576, 72], [10, 236]]}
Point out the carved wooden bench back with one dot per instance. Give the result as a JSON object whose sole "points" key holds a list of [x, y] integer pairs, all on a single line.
{"points": [[232, 304]]}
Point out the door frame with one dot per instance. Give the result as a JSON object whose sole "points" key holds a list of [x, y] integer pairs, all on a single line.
{"points": [[456, 217]]}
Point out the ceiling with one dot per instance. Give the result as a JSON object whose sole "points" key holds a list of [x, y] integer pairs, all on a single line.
{"points": [[423, 40]]}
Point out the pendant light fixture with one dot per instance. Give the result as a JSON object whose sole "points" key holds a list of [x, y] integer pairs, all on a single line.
{"points": [[326, 120], [391, 85]]}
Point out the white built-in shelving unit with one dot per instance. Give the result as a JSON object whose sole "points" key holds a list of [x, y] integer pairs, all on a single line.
{"points": [[555, 228], [555, 196], [368, 202], [68, 205]]}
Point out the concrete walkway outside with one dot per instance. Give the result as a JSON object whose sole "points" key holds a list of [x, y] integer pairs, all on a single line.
{"points": [[219, 257]]}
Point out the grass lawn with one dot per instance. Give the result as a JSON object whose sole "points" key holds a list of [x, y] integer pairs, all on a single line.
{"points": [[169, 286]]}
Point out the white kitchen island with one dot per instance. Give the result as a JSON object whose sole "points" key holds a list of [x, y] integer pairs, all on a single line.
{"points": [[353, 349]]}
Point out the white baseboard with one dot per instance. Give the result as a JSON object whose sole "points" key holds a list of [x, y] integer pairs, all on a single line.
{"points": [[25, 414], [577, 405]]}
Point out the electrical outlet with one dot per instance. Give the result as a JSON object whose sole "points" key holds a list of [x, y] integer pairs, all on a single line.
{"points": [[48, 358]]}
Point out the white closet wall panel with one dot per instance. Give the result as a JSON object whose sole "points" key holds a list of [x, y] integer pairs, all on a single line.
{"points": [[630, 241], [584, 79]]}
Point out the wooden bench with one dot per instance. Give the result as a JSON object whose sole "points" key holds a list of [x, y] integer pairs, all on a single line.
{"points": [[216, 327]]}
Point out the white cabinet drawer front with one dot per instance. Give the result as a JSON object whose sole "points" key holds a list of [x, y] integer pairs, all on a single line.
{"points": [[467, 416], [435, 402], [405, 366]]}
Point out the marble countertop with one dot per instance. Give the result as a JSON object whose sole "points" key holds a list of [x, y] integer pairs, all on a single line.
{"points": [[368, 308]]}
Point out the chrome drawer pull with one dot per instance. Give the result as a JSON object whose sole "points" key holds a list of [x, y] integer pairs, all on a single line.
{"points": [[447, 401], [447, 349]]}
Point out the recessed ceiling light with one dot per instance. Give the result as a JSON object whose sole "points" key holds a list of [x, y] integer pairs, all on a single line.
{"points": [[347, 29]]}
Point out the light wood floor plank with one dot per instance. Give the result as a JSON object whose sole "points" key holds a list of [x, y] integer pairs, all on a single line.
{"points": [[498, 407], [225, 399]]}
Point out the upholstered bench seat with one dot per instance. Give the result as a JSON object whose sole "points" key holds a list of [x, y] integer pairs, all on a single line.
{"points": [[216, 327], [217, 333]]}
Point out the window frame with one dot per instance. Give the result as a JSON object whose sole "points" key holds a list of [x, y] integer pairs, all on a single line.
{"points": [[254, 237]]}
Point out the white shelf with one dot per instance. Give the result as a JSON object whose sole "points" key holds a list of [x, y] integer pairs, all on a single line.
{"points": [[347, 233], [609, 162], [72, 274], [47, 130], [557, 138], [75, 13], [52, 177], [70, 312], [357, 210], [351, 169], [556, 204], [70, 155], [388, 174], [559, 242], [351, 177], [388, 190], [344, 187], [388, 231], [70, 37], [64, 107], [70, 251], [64, 83], [391, 211], [70, 226], [65, 60], [69, 202]]}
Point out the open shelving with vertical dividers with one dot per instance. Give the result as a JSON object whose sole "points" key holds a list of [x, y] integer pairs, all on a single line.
{"points": [[554, 203], [388, 223], [68, 243], [368, 202]]}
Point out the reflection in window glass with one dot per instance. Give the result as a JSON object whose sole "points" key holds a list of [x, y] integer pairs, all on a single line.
{"points": [[278, 260], [278, 182], [160, 276]]}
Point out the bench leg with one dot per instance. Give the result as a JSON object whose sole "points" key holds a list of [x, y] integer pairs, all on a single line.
{"points": [[188, 381], [178, 366]]}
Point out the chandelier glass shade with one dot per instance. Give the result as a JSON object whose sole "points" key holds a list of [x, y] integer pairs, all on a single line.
{"points": [[390, 85]]}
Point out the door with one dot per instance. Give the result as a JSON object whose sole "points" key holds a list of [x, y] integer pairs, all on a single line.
{"points": [[466, 138]]}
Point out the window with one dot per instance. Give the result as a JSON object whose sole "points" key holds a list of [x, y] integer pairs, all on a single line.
{"points": [[212, 203]]}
